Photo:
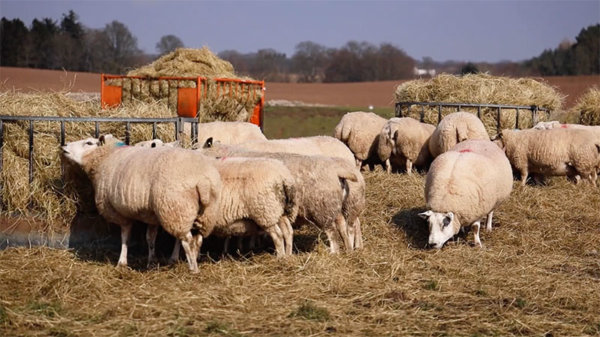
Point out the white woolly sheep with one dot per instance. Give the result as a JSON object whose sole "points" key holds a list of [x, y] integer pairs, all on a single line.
{"points": [[330, 191], [258, 194], [554, 152], [316, 145], [463, 186], [453, 129], [227, 132], [360, 132], [163, 186], [407, 140]]}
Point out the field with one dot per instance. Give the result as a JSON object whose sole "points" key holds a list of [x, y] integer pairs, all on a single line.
{"points": [[537, 274]]}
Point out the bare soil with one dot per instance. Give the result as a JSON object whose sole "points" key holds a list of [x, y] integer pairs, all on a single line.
{"points": [[363, 94]]}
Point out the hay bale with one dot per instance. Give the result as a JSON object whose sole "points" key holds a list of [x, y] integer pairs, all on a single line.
{"points": [[187, 62], [126, 90], [588, 107], [482, 89], [46, 198], [229, 101]]}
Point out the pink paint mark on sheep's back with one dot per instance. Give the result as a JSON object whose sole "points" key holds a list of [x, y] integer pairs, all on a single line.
{"points": [[465, 150], [564, 126]]}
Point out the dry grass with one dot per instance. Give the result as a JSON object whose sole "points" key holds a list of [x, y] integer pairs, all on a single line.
{"points": [[538, 274], [484, 89], [47, 199]]}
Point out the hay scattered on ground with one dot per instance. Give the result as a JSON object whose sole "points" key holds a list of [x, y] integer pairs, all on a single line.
{"points": [[484, 89], [538, 274], [588, 107], [47, 199]]}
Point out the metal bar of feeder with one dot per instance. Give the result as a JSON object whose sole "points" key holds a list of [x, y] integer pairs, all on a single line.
{"points": [[422, 113], [1, 142], [498, 121], [153, 130], [127, 132], [96, 130], [517, 120], [30, 151], [439, 114]]}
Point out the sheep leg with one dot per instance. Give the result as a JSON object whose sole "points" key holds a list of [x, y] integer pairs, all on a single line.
{"points": [[351, 234], [476, 224], [288, 234], [408, 166], [151, 232], [342, 227], [191, 246], [333, 244], [524, 176], [240, 244], [175, 254], [278, 240], [358, 241], [488, 226], [358, 163], [226, 246], [388, 166], [125, 234]]}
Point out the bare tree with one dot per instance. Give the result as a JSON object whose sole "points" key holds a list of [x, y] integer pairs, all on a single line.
{"points": [[309, 61], [122, 46], [168, 43]]}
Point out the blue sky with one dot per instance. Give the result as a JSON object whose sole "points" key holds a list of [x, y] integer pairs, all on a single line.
{"points": [[444, 30]]}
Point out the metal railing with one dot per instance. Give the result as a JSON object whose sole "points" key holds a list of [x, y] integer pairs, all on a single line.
{"points": [[176, 121], [459, 106]]}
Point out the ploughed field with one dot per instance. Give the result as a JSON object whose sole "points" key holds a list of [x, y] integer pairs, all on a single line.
{"points": [[537, 274]]}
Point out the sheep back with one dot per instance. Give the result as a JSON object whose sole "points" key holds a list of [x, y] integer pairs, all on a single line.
{"points": [[360, 132], [455, 128]]}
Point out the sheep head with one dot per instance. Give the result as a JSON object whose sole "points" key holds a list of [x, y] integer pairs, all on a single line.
{"points": [[442, 227]]}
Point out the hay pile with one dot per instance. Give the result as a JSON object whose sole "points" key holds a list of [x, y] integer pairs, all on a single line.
{"points": [[537, 275], [588, 107], [47, 199], [232, 101], [484, 89]]}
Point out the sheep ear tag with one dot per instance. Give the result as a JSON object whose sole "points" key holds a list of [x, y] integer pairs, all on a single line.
{"points": [[120, 144], [425, 215]]}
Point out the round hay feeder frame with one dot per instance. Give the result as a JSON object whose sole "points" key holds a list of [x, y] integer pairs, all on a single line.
{"points": [[403, 109]]}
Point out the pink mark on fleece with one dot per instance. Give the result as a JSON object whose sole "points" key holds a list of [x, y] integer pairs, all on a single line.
{"points": [[465, 150], [564, 126]]}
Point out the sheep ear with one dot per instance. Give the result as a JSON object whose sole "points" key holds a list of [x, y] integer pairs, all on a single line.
{"points": [[208, 143], [425, 215], [395, 136], [104, 138], [153, 144]]}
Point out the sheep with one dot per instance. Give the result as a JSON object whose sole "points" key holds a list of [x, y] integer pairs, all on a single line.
{"points": [[556, 124], [360, 132], [554, 152], [330, 191], [258, 194], [316, 145], [227, 132], [463, 186], [406, 139], [455, 128], [163, 186]]}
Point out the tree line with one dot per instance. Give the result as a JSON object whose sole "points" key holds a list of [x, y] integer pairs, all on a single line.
{"points": [[69, 45]]}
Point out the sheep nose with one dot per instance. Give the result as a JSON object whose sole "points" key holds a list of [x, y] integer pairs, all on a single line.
{"points": [[430, 245]]}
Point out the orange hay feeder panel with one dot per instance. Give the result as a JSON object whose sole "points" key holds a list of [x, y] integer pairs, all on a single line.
{"points": [[188, 99]]}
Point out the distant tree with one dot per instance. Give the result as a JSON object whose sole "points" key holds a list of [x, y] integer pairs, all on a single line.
{"points": [[587, 51], [346, 64], [168, 43], [392, 63], [97, 55], [70, 43], [240, 62], [269, 65], [469, 68], [309, 61], [121, 46], [13, 43], [42, 44]]}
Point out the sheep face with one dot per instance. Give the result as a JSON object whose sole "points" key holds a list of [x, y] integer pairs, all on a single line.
{"points": [[75, 151], [441, 228]]}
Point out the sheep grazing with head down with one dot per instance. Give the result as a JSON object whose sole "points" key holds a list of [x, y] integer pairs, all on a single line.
{"points": [[330, 191], [455, 128], [170, 187], [258, 195], [360, 132], [463, 186], [554, 152], [405, 140]]}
